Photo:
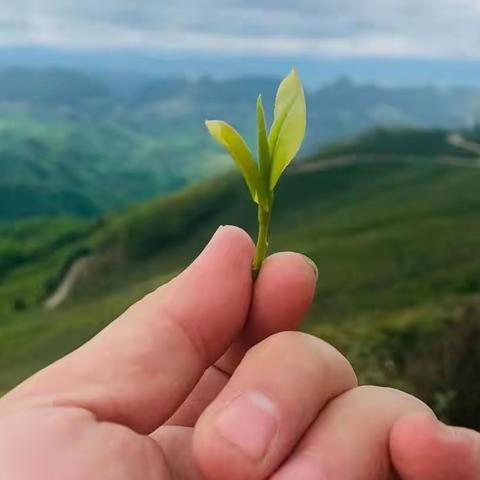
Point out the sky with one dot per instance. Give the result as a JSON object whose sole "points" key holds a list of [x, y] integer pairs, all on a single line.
{"points": [[310, 28]]}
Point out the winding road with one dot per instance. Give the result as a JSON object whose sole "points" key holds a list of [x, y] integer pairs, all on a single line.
{"points": [[454, 139]]}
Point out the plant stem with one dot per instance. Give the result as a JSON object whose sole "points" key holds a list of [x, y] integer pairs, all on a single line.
{"points": [[262, 241]]}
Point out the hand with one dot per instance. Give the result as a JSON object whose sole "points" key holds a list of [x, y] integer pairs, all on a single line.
{"points": [[168, 392]]}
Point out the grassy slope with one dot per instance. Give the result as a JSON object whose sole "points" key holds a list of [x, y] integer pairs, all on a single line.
{"points": [[396, 246], [86, 167], [404, 141], [34, 254]]}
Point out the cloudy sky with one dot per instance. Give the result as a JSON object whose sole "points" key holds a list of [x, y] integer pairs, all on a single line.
{"points": [[314, 28]]}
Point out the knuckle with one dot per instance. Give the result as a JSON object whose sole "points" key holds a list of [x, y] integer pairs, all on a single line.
{"points": [[280, 342], [386, 395], [308, 352]]}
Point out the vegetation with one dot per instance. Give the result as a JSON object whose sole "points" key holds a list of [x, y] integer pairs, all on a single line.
{"points": [[276, 149], [404, 141], [34, 255], [397, 249], [83, 169], [72, 144]]}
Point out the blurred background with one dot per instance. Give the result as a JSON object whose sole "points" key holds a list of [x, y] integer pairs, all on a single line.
{"points": [[110, 185]]}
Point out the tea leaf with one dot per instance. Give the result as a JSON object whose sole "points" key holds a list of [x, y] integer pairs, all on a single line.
{"points": [[233, 142], [262, 144], [288, 129]]}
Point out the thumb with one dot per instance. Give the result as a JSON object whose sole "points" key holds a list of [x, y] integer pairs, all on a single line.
{"points": [[141, 368]]}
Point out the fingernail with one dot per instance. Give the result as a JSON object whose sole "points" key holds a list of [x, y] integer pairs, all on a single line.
{"points": [[214, 236], [305, 467], [312, 264], [250, 423], [212, 240]]}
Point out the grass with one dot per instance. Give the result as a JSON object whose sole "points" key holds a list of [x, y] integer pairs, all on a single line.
{"points": [[397, 249]]}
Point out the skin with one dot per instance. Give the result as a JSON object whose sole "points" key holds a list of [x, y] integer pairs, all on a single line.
{"points": [[206, 378]]}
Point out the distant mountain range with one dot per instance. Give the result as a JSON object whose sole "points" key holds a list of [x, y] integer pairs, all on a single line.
{"points": [[135, 65], [81, 142]]}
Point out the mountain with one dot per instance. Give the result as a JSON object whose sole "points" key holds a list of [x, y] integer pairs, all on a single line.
{"points": [[49, 86], [71, 144], [76, 168], [338, 110], [131, 64], [394, 230]]}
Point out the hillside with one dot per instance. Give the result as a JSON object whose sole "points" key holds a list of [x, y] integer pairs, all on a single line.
{"points": [[76, 143], [405, 142], [396, 243], [50, 86], [82, 169]]}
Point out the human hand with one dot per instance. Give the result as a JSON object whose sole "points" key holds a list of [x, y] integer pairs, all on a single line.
{"points": [[194, 381]]}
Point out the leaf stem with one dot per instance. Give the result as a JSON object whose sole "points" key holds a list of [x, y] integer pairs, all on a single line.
{"points": [[262, 241]]}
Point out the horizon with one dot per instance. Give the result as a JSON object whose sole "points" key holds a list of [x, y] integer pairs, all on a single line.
{"points": [[384, 72]]}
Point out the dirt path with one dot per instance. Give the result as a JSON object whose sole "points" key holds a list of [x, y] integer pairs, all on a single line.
{"points": [[459, 141], [339, 162], [78, 268]]}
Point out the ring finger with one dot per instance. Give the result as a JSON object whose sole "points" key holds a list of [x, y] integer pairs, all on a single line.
{"points": [[350, 438]]}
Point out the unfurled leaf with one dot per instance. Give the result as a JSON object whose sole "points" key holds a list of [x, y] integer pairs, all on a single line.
{"points": [[233, 142], [288, 129], [275, 151], [262, 143]]}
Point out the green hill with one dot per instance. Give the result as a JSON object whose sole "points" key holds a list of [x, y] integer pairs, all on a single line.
{"points": [[396, 244], [407, 142], [84, 168], [71, 143]]}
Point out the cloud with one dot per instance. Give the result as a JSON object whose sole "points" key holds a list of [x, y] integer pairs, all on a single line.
{"points": [[315, 28]]}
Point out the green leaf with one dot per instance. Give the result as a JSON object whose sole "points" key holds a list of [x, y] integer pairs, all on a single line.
{"points": [[289, 125], [233, 142], [262, 144]]}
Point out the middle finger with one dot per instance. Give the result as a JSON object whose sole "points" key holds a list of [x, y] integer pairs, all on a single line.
{"points": [[271, 399]]}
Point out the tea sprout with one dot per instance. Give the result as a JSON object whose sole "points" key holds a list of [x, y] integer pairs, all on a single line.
{"points": [[276, 148]]}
